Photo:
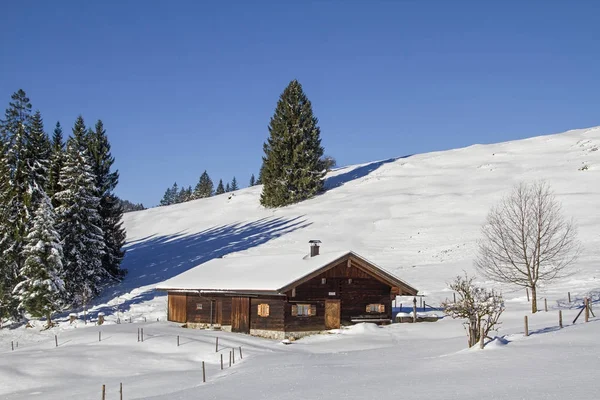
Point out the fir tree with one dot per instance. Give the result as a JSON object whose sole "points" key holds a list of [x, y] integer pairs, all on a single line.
{"points": [[79, 223], [56, 161], [38, 159], [174, 194], [220, 188], [252, 180], [227, 188], [291, 169], [109, 208], [234, 185], [15, 132], [204, 188], [166, 200], [8, 263], [41, 289]]}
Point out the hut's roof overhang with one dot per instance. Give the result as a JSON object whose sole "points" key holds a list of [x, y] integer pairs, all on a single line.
{"points": [[270, 274]]}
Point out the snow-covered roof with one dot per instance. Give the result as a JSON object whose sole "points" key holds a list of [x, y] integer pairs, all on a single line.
{"points": [[253, 273]]}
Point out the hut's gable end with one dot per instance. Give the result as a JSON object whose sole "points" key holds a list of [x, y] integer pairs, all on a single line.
{"points": [[361, 296]]}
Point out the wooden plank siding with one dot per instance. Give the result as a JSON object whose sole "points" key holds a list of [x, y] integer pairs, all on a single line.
{"points": [[221, 310], [275, 320], [177, 307], [305, 323]]}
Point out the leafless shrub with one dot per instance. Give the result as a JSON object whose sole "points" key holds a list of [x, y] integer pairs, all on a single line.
{"points": [[481, 308]]}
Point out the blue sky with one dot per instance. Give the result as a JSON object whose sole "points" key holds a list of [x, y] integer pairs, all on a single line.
{"points": [[184, 86]]}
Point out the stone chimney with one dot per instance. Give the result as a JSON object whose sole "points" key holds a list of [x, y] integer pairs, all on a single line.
{"points": [[314, 247]]}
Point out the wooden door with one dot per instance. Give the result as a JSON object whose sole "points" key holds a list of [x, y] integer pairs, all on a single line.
{"points": [[219, 312], [332, 314], [240, 314], [177, 307]]}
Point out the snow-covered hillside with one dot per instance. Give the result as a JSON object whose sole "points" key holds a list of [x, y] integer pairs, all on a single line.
{"points": [[418, 216]]}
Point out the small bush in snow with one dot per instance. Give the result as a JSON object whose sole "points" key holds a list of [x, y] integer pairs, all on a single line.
{"points": [[481, 308]]}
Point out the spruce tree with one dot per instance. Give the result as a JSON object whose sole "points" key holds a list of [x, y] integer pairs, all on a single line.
{"points": [[79, 223], [174, 198], [227, 188], [56, 161], [234, 185], [15, 132], [41, 289], [291, 169], [166, 200], [252, 180], [109, 209], [8, 263], [204, 188], [220, 188], [38, 159]]}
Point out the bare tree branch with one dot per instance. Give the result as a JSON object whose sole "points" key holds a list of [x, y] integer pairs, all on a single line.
{"points": [[526, 240]]}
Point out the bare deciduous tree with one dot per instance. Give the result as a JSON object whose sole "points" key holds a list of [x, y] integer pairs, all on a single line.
{"points": [[481, 308], [526, 239]]}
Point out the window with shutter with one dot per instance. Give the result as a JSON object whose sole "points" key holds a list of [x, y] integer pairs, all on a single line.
{"points": [[304, 310], [376, 308], [263, 310]]}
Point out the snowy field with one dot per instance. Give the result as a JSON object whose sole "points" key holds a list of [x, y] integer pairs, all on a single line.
{"points": [[417, 216]]}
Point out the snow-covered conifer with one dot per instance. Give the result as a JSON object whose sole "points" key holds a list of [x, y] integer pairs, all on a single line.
{"points": [[79, 223], [41, 289]]}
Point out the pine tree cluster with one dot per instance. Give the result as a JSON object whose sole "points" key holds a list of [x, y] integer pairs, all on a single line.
{"points": [[204, 188], [61, 233]]}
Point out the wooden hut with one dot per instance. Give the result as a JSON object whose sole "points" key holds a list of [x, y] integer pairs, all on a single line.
{"points": [[284, 296]]}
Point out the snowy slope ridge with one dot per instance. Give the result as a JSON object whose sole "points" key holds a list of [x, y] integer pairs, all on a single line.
{"points": [[418, 217]]}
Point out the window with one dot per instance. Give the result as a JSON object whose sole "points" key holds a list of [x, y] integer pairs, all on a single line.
{"points": [[198, 306], [263, 310], [294, 292], [323, 281], [375, 308], [304, 310], [349, 281]]}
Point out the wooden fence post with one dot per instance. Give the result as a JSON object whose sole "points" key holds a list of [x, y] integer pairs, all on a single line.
{"points": [[103, 392], [221, 361], [203, 373], [527, 291], [481, 338], [454, 294], [233, 355], [560, 324], [526, 327], [142, 331], [545, 304], [177, 340], [99, 336], [56, 340], [241, 353], [414, 309], [121, 391], [587, 309], [230, 358], [12, 344], [569, 294], [217, 345]]}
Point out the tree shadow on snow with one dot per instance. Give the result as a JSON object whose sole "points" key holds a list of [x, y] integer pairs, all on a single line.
{"points": [[154, 259], [357, 173]]}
